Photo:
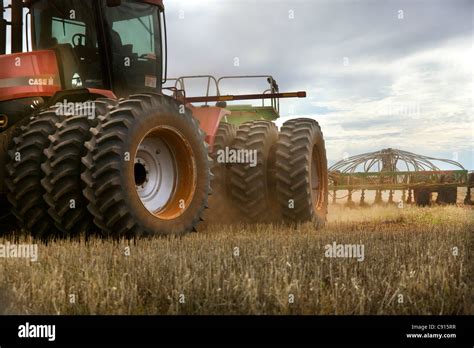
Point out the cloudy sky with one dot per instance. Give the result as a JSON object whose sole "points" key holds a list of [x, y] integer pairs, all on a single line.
{"points": [[378, 73]]}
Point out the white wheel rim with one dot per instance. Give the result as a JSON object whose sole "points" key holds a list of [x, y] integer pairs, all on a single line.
{"points": [[165, 173], [155, 173]]}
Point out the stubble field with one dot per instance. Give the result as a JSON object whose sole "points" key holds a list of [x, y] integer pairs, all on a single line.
{"points": [[416, 261]]}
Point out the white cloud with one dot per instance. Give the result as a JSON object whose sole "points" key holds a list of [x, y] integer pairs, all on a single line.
{"points": [[427, 109]]}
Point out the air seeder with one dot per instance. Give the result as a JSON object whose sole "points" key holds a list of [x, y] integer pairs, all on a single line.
{"points": [[137, 161], [416, 176]]}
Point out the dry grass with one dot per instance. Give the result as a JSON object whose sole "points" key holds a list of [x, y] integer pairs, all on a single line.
{"points": [[407, 252]]}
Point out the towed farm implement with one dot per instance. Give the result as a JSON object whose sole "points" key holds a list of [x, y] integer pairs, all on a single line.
{"points": [[416, 176]]}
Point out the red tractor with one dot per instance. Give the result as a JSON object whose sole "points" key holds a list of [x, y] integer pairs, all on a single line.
{"points": [[90, 140]]}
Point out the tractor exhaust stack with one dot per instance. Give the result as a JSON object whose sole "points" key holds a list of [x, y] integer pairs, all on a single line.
{"points": [[3, 30], [17, 26]]}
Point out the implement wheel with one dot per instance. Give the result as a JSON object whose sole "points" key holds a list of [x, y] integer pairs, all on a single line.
{"points": [[422, 197], [447, 195]]}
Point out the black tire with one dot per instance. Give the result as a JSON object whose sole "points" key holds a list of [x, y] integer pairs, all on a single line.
{"points": [[63, 168], [221, 209], [470, 187], [300, 153], [253, 187], [24, 174], [422, 197], [8, 222], [110, 174], [447, 195], [470, 179]]}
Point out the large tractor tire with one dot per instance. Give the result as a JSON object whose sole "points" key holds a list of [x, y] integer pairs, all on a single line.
{"points": [[147, 169], [301, 172], [447, 195], [8, 222], [221, 208], [63, 168], [24, 174], [253, 185], [422, 197]]}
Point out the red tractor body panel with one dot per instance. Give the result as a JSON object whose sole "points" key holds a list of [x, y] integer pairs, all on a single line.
{"points": [[209, 118], [31, 74], [103, 92]]}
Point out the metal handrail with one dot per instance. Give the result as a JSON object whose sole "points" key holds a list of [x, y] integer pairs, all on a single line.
{"points": [[180, 80], [275, 102], [180, 85]]}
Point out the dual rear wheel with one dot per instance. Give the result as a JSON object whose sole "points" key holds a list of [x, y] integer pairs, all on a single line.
{"points": [[140, 168], [279, 176], [147, 169]]}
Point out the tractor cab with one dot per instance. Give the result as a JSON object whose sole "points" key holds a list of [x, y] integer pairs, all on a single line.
{"points": [[112, 45], [80, 48]]}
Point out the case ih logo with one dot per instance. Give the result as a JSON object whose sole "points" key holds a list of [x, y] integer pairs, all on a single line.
{"points": [[26, 81], [41, 81]]}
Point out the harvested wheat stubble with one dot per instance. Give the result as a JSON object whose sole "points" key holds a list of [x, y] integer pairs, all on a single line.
{"points": [[258, 269]]}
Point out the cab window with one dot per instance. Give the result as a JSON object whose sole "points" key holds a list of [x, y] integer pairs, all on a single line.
{"points": [[64, 30]]}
